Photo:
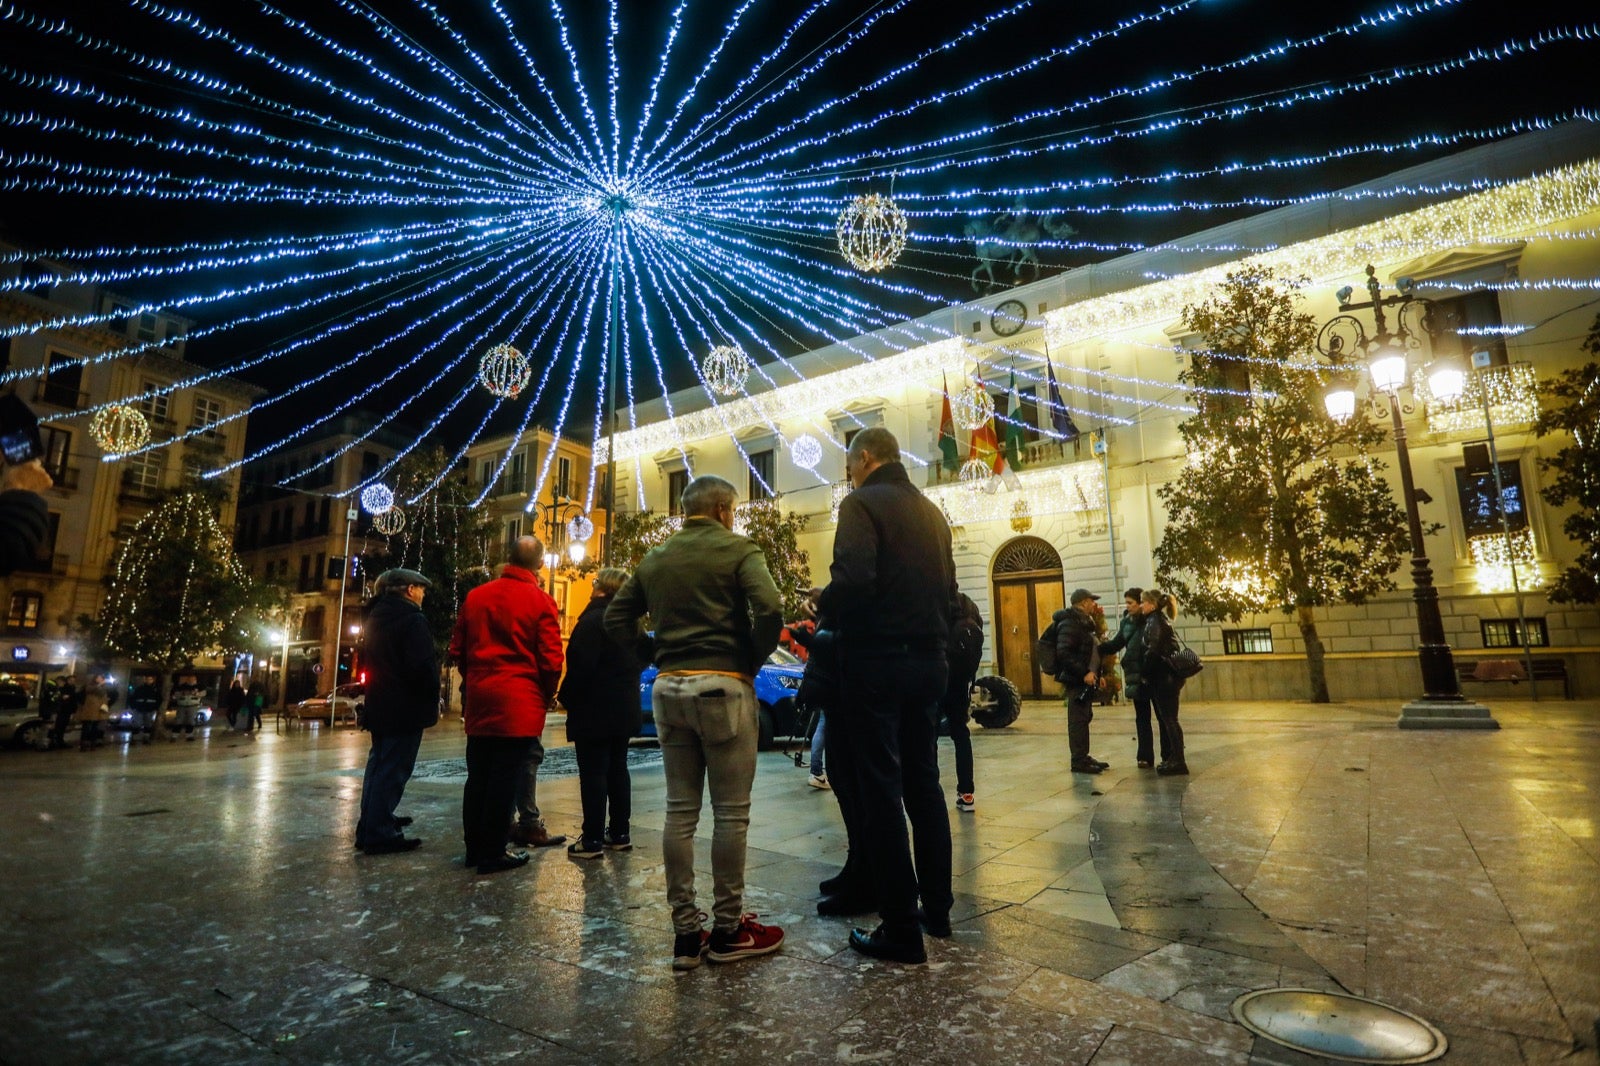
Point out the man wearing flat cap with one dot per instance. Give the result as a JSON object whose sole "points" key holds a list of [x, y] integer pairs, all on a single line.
{"points": [[1078, 668], [402, 665]]}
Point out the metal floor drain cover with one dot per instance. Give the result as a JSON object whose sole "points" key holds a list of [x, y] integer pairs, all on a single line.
{"points": [[1336, 1026]]}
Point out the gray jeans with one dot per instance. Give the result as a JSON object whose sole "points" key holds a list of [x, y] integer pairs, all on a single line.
{"points": [[527, 787], [708, 725]]}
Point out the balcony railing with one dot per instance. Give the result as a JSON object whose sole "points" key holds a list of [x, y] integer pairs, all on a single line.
{"points": [[1035, 454], [58, 394]]}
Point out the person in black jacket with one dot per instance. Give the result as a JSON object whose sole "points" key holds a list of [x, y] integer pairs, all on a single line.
{"points": [[1130, 642], [891, 586], [1078, 668], [965, 655], [1160, 642], [601, 697], [402, 700]]}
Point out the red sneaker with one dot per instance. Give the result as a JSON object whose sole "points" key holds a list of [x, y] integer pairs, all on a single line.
{"points": [[750, 939]]}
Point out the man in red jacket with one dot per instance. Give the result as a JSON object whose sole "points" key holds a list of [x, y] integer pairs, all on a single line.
{"points": [[508, 645]]}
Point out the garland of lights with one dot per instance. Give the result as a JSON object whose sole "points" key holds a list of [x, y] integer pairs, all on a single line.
{"points": [[726, 369], [871, 232], [119, 429], [504, 371], [377, 498], [1494, 557], [1509, 392]]}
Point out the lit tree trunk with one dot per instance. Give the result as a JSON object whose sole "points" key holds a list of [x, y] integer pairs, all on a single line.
{"points": [[1316, 668]]}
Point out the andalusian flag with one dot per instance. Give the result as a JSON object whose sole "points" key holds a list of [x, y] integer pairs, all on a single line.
{"points": [[947, 434], [1015, 432]]}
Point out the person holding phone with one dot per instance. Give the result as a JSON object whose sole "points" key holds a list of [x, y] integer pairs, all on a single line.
{"points": [[24, 519]]}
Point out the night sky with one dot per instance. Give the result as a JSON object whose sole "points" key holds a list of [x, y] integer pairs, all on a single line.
{"points": [[467, 145]]}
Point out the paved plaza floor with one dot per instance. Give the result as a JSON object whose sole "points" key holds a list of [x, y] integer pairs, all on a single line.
{"points": [[200, 902]]}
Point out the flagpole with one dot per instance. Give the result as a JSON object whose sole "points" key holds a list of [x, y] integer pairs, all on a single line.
{"points": [[1111, 529]]}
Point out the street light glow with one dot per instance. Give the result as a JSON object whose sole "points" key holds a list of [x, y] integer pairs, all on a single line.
{"points": [[1388, 368]]}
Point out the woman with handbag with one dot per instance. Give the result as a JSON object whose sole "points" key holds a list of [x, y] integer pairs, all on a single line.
{"points": [[1129, 641], [1162, 682]]}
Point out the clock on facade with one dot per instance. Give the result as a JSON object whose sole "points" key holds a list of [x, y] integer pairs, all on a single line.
{"points": [[1008, 318]]}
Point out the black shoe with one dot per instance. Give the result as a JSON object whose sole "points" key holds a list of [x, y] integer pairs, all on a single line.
{"points": [[500, 863], [845, 903], [403, 820], [1088, 766], [390, 847], [1173, 769], [936, 925], [834, 885], [878, 946]]}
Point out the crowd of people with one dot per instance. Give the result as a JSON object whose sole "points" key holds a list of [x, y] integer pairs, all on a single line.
{"points": [[89, 705]]}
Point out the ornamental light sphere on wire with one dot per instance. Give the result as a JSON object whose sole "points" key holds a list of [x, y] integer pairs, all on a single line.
{"points": [[975, 474], [377, 498], [973, 407], [504, 371], [389, 522], [871, 232], [580, 529], [806, 451], [119, 429], [726, 369]]}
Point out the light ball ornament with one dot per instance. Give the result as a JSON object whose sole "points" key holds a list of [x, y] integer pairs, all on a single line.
{"points": [[726, 369], [119, 429], [377, 498], [973, 407], [975, 474], [580, 528], [504, 371], [389, 522], [806, 451], [871, 232]]}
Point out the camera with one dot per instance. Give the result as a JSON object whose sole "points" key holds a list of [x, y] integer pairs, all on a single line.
{"points": [[1088, 694], [19, 431]]}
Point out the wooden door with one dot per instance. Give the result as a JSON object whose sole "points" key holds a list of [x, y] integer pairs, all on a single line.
{"points": [[1022, 611]]}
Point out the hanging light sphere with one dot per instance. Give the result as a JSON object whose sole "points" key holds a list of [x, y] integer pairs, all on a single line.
{"points": [[389, 522], [806, 451], [504, 371], [973, 406], [871, 232], [726, 369], [377, 498], [580, 529], [119, 429], [975, 473]]}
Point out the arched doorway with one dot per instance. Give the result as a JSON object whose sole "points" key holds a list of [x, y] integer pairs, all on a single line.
{"points": [[1027, 591]]}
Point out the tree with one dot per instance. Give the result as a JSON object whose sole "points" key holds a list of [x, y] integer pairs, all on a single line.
{"points": [[1574, 407], [176, 589], [1279, 506], [761, 520]]}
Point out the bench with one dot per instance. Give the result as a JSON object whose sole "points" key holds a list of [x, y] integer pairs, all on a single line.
{"points": [[1514, 671]]}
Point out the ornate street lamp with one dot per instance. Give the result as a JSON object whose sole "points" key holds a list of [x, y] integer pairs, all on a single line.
{"points": [[1385, 357], [579, 530]]}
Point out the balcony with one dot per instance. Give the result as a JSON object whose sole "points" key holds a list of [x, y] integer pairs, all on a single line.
{"points": [[60, 394], [54, 563], [1036, 455], [510, 485]]}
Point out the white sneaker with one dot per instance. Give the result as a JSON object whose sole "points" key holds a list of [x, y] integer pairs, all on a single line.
{"points": [[818, 781]]}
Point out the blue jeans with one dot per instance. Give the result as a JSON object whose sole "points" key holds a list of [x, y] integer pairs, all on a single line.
{"points": [[819, 764], [389, 765], [708, 725]]}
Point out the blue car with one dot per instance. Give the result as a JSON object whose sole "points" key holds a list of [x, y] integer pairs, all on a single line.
{"points": [[776, 685]]}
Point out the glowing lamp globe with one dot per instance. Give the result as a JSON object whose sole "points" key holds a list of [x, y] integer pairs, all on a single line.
{"points": [[806, 451], [504, 371], [1387, 367], [119, 429], [377, 498], [975, 473], [389, 522], [1340, 402], [973, 407], [576, 551], [579, 530], [1446, 379], [871, 232], [726, 370]]}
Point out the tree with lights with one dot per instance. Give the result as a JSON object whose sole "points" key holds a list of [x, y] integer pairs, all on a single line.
{"points": [[1279, 506], [176, 590], [1574, 407]]}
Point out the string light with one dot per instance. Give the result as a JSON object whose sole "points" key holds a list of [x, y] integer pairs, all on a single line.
{"points": [[1511, 393], [377, 498], [1493, 557]]}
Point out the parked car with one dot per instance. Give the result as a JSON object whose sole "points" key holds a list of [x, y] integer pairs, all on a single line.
{"points": [[776, 684], [19, 715], [347, 703]]}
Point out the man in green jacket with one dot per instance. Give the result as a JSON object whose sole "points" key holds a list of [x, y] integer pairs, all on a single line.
{"points": [[717, 616]]}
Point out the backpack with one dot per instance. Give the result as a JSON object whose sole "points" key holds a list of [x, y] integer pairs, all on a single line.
{"points": [[1044, 651]]}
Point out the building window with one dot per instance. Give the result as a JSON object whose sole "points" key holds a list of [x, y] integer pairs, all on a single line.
{"points": [[141, 473], [57, 449], [1506, 633], [311, 623], [486, 473], [25, 609], [677, 481], [207, 413], [513, 533], [1470, 326], [1480, 503], [155, 404], [63, 381], [563, 478], [1246, 641], [761, 465], [850, 435]]}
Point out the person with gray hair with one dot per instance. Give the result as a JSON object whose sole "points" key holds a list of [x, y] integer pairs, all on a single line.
{"points": [[402, 664], [717, 617]]}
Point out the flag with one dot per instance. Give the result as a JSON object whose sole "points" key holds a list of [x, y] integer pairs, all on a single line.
{"points": [[947, 435], [1015, 431], [1060, 417], [986, 447]]}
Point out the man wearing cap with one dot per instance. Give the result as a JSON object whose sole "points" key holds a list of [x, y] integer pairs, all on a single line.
{"points": [[1078, 662], [402, 665]]}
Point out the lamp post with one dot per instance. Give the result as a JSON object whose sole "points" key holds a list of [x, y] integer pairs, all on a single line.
{"points": [[1344, 340], [579, 530]]}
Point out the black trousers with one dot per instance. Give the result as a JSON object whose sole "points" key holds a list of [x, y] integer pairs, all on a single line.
{"points": [[890, 712], [493, 765], [1164, 695], [839, 755], [603, 781]]}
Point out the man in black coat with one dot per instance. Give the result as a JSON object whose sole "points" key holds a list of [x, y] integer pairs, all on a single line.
{"points": [[402, 664], [1078, 668], [892, 584]]}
